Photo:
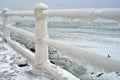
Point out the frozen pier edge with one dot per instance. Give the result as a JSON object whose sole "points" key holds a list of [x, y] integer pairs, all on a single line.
{"points": [[39, 59]]}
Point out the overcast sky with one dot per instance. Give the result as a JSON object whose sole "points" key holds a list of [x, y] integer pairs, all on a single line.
{"points": [[29, 4]]}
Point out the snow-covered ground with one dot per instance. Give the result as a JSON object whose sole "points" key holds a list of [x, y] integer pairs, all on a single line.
{"points": [[9, 69]]}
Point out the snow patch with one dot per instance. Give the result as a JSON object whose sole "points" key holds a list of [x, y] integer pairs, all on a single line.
{"points": [[9, 69]]}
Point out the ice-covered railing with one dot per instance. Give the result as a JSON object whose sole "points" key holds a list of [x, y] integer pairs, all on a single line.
{"points": [[40, 59], [86, 14]]}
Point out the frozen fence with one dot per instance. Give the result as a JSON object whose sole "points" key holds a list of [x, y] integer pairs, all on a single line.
{"points": [[40, 59], [84, 13], [20, 13]]}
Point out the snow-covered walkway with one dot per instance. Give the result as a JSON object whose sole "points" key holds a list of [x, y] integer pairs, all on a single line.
{"points": [[9, 69]]}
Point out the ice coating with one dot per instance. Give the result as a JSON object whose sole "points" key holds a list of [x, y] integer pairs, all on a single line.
{"points": [[108, 65], [82, 14], [85, 14]]}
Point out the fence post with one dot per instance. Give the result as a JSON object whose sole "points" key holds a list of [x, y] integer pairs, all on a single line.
{"points": [[6, 33], [41, 49]]}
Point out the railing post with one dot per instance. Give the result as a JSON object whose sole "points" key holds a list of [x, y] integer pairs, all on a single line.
{"points": [[6, 33], [41, 49]]}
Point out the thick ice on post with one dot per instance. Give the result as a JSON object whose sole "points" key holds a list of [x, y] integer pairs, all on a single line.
{"points": [[6, 33], [41, 53]]}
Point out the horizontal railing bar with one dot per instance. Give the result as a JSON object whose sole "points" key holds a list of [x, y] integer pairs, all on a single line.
{"points": [[25, 52], [23, 32], [58, 72], [74, 13], [78, 55], [20, 13], [84, 13]]}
